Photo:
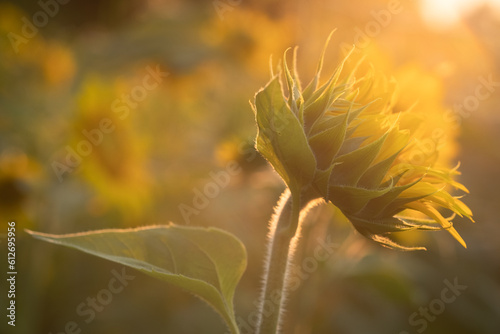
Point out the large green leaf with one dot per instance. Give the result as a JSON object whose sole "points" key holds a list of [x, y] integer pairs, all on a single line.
{"points": [[207, 262]]}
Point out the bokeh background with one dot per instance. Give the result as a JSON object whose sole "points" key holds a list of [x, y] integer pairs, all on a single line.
{"points": [[78, 67]]}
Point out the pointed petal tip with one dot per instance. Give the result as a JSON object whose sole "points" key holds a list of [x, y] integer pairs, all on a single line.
{"points": [[457, 236]]}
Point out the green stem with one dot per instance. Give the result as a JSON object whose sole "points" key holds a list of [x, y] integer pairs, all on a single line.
{"points": [[283, 227]]}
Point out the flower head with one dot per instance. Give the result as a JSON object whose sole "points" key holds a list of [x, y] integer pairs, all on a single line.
{"points": [[343, 141]]}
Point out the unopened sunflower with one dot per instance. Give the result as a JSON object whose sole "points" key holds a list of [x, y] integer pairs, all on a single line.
{"points": [[343, 141]]}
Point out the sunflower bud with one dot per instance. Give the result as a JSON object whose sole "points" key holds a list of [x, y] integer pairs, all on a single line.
{"points": [[344, 142]]}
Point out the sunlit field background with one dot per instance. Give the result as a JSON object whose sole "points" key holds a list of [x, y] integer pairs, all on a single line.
{"points": [[118, 114]]}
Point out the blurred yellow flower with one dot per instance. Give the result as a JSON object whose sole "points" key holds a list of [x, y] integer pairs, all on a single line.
{"points": [[116, 164], [346, 142], [250, 36], [58, 63], [17, 47]]}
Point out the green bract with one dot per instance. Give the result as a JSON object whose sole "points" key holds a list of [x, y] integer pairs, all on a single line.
{"points": [[281, 139]]}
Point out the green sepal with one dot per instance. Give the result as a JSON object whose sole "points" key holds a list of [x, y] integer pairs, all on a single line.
{"points": [[314, 111], [353, 199], [313, 85], [332, 121], [293, 86], [322, 181], [375, 174], [326, 144], [354, 164], [377, 206], [281, 139], [368, 229], [394, 224]]}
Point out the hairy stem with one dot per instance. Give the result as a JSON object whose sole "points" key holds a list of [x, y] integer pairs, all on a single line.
{"points": [[282, 230]]}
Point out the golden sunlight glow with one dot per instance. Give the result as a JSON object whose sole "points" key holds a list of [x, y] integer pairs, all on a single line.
{"points": [[442, 14]]}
